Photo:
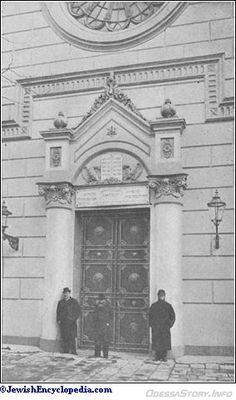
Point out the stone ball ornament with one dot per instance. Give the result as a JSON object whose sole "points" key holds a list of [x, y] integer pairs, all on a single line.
{"points": [[168, 110], [60, 121]]}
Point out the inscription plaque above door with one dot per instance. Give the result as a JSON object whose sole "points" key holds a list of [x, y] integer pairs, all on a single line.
{"points": [[112, 196]]}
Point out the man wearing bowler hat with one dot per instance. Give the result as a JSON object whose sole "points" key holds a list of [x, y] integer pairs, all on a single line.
{"points": [[161, 319], [68, 311]]}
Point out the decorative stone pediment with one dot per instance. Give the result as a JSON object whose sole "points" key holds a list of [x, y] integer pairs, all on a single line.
{"points": [[112, 91], [111, 98], [93, 116], [112, 124]]}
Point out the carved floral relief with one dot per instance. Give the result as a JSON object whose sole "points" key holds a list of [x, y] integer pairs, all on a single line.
{"points": [[55, 156], [167, 148]]}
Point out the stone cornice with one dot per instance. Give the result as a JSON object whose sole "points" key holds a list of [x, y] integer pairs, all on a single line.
{"points": [[62, 134], [59, 195], [168, 124], [208, 68], [167, 188]]}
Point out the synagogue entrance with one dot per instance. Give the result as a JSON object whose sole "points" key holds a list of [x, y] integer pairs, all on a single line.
{"points": [[115, 261]]}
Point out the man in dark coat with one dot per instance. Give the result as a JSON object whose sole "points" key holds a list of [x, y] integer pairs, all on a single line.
{"points": [[161, 319], [102, 326], [68, 311]]}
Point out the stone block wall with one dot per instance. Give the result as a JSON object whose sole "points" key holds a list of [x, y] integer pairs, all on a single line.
{"points": [[35, 57]]}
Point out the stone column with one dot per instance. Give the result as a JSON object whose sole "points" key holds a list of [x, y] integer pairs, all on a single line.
{"points": [[166, 247], [167, 183], [59, 255]]}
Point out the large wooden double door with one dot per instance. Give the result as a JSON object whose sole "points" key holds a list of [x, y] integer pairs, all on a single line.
{"points": [[115, 261]]}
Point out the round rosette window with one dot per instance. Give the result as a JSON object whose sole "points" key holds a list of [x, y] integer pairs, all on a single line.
{"points": [[110, 25]]}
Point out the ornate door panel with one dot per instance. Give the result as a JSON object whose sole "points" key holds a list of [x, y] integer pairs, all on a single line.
{"points": [[115, 260]]}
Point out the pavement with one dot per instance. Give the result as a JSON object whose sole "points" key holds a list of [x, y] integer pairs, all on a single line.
{"points": [[31, 364]]}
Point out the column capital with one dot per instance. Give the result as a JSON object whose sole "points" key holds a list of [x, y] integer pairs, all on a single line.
{"points": [[167, 188], [59, 194]]}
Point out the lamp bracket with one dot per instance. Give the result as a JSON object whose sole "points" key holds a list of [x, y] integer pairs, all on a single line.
{"points": [[12, 240]]}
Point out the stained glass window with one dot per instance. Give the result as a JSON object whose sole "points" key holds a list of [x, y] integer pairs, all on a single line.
{"points": [[112, 16]]}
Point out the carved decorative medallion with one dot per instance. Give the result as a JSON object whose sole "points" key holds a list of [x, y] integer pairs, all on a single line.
{"points": [[99, 230], [110, 16], [111, 131], [172, 185], [98, 278], [57, 195], [133, 277], [55, 156], [134, 230], [167, 147]]}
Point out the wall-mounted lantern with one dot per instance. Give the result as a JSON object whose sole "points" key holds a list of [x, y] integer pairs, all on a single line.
{"points": [[216, 208], [12, 240]]}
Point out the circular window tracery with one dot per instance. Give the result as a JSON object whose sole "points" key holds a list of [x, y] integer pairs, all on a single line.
{"points": [[112, 16], [110, 26]]}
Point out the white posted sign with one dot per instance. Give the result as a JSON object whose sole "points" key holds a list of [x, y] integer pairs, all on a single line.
{"points": [[111, 196]]}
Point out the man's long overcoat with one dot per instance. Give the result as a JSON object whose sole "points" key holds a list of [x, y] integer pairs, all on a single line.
{"points": [[102, 322], [161, 319], [68, 311]]}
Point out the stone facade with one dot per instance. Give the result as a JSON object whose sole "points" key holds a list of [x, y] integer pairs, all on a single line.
{"points": [[191, 62]]}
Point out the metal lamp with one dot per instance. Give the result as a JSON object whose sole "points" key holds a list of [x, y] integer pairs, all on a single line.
{"points": [[216, 208], [12, 240]]}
